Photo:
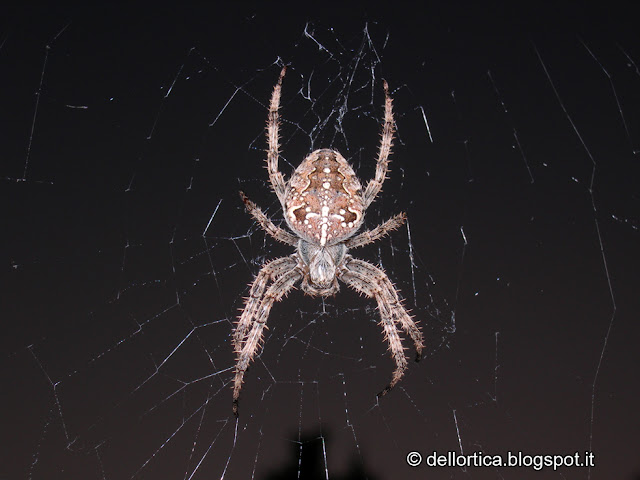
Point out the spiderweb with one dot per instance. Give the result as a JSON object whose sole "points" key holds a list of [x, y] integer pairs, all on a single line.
{"points": [[128, 252]]}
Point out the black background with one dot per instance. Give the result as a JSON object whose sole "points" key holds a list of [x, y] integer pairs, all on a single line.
{"points": [[123, 130]]}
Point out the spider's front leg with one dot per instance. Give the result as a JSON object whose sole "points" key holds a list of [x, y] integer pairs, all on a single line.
{"points": [[269, 273], [249, 334], [373, 282]]}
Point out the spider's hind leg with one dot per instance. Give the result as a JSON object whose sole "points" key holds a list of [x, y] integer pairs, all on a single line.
{"points": [[382, 166], [273, 139]]}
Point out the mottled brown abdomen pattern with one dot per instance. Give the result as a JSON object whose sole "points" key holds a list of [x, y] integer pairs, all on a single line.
{"points": [[324, 202]]}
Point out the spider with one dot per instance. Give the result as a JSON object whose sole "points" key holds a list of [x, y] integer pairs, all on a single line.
{"points": [[324, 206]]}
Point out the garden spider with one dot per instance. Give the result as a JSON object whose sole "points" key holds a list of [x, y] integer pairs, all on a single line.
{"points": [[324, 206]]}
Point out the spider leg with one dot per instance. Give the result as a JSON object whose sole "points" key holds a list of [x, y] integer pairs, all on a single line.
{"points": [[370, 236], [390, 295], [273, 135], [269, 272], [382, 166], [373, 282], [251, 340], [267, 225]]}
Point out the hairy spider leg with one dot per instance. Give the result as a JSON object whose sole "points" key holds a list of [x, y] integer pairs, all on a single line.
{"points": [[374, 283], [250, 342], [382, 230], [273, 139], [382, 165], [267, 225]]}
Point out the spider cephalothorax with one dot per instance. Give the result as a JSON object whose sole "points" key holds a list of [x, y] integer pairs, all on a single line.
{"points": [[324, 205]]}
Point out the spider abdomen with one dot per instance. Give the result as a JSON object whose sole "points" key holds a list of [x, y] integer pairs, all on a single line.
{"points": [[324, 203]]}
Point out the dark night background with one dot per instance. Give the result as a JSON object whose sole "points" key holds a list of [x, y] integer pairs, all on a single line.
{"points": [[124, 138]]}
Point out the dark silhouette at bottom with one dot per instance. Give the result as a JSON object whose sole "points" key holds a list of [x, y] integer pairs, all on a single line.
{"points": [[307, 457]]}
